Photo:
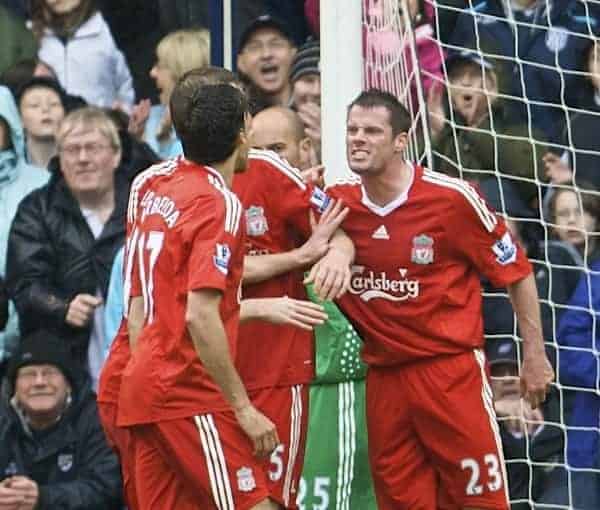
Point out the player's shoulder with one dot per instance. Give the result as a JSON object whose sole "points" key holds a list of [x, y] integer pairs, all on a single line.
{"points": [[462, 196], [446, 187], [347, 187], [279, 168], [144, 180], [223, 202]]}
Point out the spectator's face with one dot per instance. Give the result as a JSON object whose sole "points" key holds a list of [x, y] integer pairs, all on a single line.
{"points": [[273, 132], [370, 144], [266, 60], [572, 222], [594, 66], [307, 89], [4, 135], [468, 96], [41, 391], [62, 6], [88, 161], [41, 112], [505, 381], [164, 79]]}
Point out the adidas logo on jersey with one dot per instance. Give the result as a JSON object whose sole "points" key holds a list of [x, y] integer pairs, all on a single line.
{"points": [[381, 233]]}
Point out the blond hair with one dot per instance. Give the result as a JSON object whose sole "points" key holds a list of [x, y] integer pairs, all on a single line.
{"points": [[184, 50], [89, 118], [179, 52]]}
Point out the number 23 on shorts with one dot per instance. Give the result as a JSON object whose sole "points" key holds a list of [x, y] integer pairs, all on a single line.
{"points": [[476, 485]]}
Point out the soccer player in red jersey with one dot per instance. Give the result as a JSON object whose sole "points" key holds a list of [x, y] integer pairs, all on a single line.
{"points": [[285, 404], [276, 361], [422, 240], [196, 436]]}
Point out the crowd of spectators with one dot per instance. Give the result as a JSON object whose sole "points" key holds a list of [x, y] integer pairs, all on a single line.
{"points": [[512, 93]]}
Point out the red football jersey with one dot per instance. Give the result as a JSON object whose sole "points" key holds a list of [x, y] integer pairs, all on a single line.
{"points": [[109, 383], [415, 289], [276, 216], [185, 237]]}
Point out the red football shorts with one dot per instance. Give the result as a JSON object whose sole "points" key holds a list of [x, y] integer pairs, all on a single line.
{"points": [[434, 441], [202, 462], [287, 407], [119, 439]]}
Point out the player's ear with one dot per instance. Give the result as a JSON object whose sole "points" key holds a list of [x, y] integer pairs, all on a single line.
{"points": [[400, 142]]}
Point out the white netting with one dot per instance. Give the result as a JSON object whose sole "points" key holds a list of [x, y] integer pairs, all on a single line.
{"points": [[511, 105]]}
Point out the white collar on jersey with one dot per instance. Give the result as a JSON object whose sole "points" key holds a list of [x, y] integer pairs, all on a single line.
{"points": [[394, 204], [214, 172]]}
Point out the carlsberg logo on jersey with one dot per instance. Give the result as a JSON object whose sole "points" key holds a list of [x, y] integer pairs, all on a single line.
{"points": [[369, 285]]}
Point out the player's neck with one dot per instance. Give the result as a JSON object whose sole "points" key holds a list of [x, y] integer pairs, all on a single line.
{"points": [[226, 169], [388, 185]]}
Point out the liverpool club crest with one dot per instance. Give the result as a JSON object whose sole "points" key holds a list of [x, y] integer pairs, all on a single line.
{"points": [[422, 249], [256, 222]]}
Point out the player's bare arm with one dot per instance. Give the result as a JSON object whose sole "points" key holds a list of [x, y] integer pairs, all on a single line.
{"points": [[331, 275], [283, 310], [258, 268], [536, 372], [135, 320], [206, 329]]}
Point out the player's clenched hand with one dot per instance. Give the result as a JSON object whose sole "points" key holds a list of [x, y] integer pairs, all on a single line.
{"points": [[322, 230], [536, 376], [81, 309], [331, 275], [314, 175], [295, 312], [261, 431]]}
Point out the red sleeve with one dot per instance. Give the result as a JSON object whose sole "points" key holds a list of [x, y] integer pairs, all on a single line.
{"points": [[483, 238], [211, 235], [295, 198]]}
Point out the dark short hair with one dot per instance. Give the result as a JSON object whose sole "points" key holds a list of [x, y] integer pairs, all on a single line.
{"points": [[399, 117], [209, 75], [207, 118]]}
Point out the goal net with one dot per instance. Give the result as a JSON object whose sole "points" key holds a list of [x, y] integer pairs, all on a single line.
{"points": [[506, 95]]}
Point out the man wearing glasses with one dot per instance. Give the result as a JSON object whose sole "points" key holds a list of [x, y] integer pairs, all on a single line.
{"points": [[65, 235]]}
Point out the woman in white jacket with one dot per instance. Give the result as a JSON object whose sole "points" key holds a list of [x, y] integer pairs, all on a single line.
{"points": [[75, 40]]}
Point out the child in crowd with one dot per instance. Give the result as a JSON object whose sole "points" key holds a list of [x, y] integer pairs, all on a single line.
{"points": [[574, 215], [42, 107]]}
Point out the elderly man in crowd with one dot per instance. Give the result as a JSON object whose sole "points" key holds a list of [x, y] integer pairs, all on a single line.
{"points": [[54, 453], [65, 235]]}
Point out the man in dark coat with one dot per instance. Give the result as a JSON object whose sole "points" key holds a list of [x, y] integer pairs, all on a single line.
{"points": [[65, 235], [54, 453]]}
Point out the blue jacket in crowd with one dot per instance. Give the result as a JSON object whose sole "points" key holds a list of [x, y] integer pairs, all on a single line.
{"points": [[561, 34], [17, 179], [579, 328]]}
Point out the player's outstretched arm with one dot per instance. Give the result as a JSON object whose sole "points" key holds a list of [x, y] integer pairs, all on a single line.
{"points": [[135, 320], [283, 310], [258, 268], [206, 329], [536, 372]]}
